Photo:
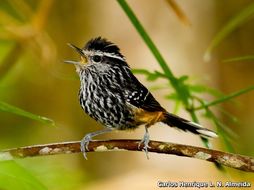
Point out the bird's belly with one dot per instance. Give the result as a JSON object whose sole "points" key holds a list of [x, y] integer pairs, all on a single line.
{"points": [[106, 107]]}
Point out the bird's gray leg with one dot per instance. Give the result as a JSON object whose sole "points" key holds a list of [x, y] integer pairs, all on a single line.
{"points": [[145, 141], [85, 141]]}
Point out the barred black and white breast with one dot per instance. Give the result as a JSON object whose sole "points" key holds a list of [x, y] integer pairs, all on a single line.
{"points": [[105, 94]]}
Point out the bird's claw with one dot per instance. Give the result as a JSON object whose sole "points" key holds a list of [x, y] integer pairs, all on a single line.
{"points": [[84, 144], [145, 142]]}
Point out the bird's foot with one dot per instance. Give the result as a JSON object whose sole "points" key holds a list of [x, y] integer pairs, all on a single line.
{"points": [[84, 144], [145, 142], [85, 141]]}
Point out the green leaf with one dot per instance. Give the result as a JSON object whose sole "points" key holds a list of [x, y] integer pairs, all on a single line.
{"points": [[223, 131], [13, 176], [225, 98], [202, 89], [15, 110], [183, 78], [141, 71], [183, 91], [230, 116], [160, 87], [172, 96], [177, 106], [229, 27], [227, 131], [226, 141], [150, 76], [242, 58]]}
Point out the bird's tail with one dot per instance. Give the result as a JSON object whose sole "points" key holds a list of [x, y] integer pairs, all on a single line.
{"points": [[185, 125]]}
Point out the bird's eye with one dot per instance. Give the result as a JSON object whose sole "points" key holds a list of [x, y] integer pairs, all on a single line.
{"points": [[97, 58]]}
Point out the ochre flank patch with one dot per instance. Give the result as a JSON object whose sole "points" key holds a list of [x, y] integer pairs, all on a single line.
{"points": [[148, 118]]}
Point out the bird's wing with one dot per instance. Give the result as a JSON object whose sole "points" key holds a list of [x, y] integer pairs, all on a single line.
{"points": [[139, 96]]}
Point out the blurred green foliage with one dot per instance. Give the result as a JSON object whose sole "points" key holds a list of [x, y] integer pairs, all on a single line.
{"points": [[241, 58], [13, 176], [24, 38], [239, 19]]}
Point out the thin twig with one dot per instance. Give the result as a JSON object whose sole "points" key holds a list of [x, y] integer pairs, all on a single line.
{"points": [[42, 14], [179, 12], [240, 162]]}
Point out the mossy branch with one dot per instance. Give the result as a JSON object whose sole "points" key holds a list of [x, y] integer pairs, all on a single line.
{"points": [[240, 162]]}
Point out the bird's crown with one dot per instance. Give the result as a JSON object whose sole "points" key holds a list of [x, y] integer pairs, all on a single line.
{"points": [[103, 45]]}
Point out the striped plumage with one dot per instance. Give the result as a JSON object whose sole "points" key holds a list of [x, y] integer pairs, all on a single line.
{"points": [[101, 95], [112, 95]]}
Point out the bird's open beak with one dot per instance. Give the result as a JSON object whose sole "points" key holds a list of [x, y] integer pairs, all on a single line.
{"points": [[83, 59]]}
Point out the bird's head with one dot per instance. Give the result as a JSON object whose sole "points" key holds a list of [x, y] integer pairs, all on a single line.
{"points": [[98, 51]]}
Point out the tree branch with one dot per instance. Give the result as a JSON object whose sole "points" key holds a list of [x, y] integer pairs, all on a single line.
{"points": [[236, 161]]}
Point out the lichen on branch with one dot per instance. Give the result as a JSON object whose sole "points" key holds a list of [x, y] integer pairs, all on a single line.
{"points": [[240, 162]]}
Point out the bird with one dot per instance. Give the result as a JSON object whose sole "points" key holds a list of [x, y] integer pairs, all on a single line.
{"points": [[113, 96]]}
